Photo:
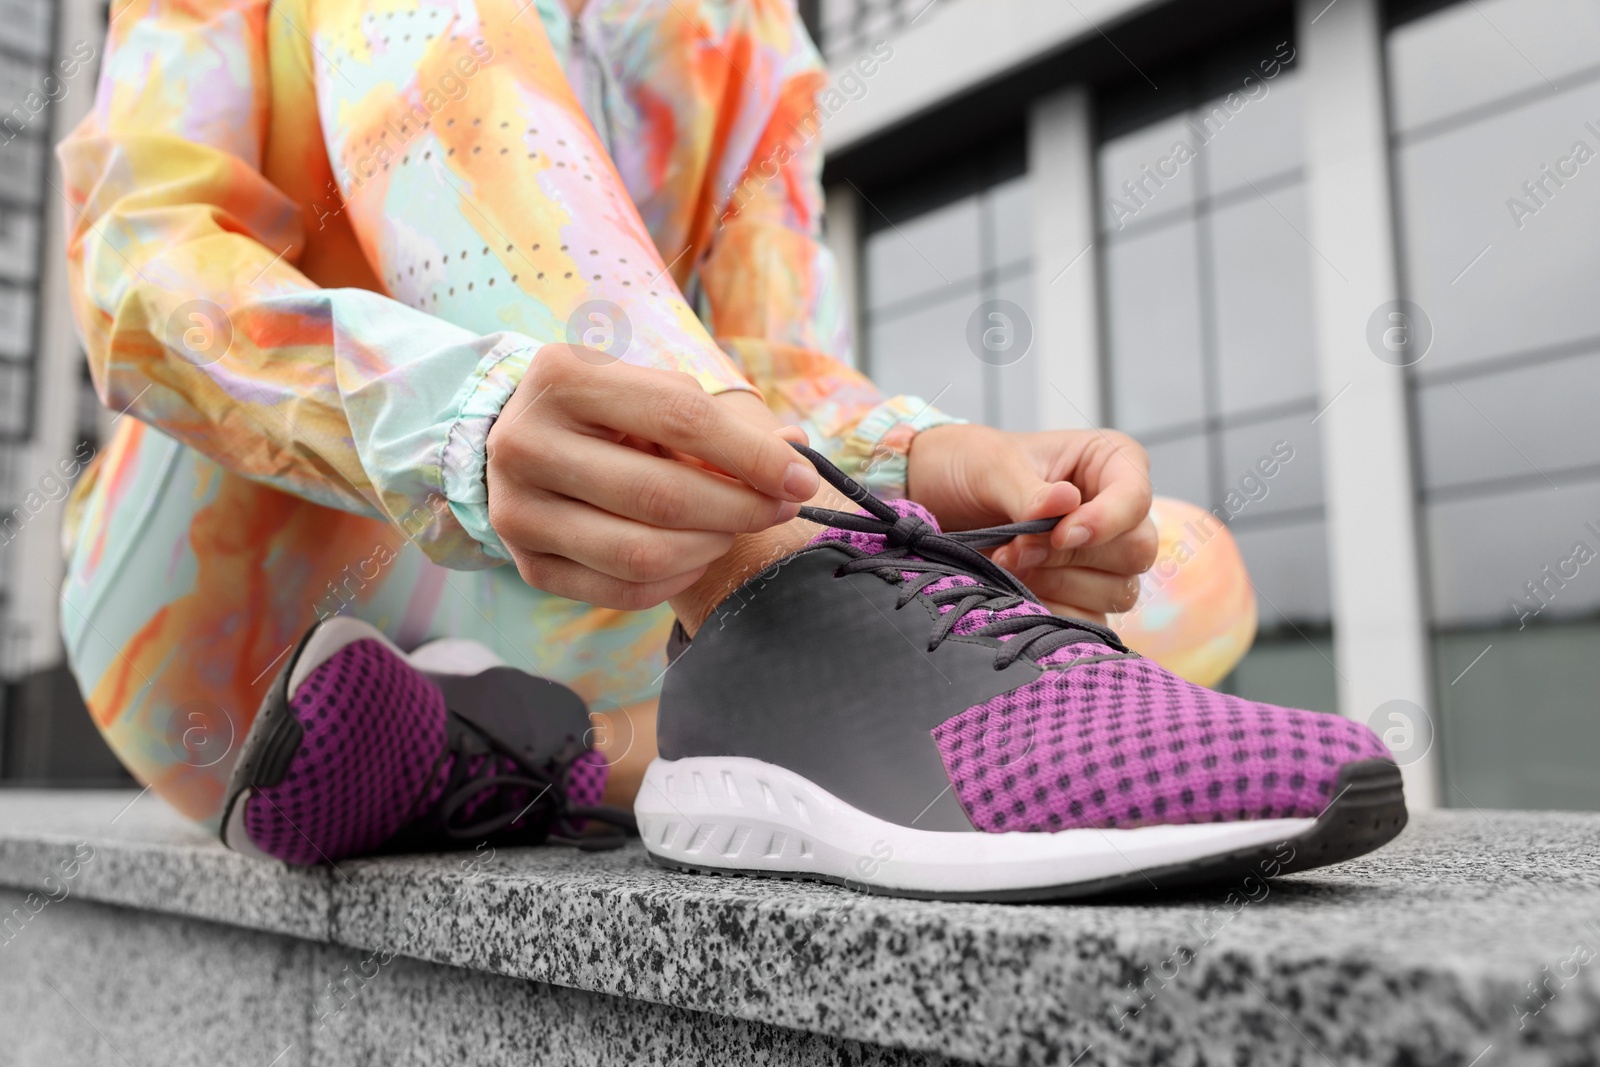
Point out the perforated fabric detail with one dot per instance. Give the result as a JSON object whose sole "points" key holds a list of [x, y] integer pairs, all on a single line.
{"points": [[1124, 743]]}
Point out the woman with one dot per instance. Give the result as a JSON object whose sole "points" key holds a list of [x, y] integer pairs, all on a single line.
{"points": [[395, 293]]}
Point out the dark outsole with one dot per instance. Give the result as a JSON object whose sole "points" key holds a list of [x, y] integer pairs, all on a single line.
{"points": [[1367, 812]]}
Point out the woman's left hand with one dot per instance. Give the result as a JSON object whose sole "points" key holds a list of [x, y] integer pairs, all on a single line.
{"points": [[1088, 565]]}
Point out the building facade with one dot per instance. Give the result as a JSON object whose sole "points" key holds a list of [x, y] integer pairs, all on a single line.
{"points": [[49, 418]]}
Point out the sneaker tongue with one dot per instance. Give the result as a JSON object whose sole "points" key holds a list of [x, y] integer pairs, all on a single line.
{"points": [[872, 544]]}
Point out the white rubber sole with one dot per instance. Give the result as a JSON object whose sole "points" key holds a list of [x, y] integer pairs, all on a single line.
{"points": [[743, 815]]}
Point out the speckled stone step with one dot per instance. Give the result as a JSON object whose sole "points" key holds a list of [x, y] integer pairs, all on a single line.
{"points": [[1473, 939]]}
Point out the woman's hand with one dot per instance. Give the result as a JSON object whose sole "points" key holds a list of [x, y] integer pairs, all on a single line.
{"points": [[1088, 565], [617, 485]]}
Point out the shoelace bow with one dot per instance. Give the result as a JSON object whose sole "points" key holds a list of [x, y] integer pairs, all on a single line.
{"points": [[953, 554], [548, 816]]}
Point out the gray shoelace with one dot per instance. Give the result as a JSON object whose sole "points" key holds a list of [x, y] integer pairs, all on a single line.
{"points": [[940, 555]]}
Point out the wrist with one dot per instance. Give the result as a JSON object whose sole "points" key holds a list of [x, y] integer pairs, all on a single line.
{"points": [[922, 463], [875, 451]]}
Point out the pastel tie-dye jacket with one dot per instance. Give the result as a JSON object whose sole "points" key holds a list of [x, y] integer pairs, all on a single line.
{"points": [[321, 240]]}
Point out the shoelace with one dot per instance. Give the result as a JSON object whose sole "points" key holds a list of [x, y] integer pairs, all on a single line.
{"points": [[954, 554], [475, 770]]}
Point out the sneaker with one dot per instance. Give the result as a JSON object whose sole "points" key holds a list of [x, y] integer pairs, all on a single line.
{"points": [[359, 748], [890, 710]]}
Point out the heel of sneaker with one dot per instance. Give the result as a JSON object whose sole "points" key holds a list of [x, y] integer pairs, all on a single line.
{"points": [[273, 740], [275, 735]]}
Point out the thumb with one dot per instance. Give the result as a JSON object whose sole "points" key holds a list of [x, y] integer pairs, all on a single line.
{"points": [[1018, 494]]}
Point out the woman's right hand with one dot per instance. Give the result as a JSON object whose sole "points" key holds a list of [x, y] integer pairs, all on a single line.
{"points": [[618, 485]]}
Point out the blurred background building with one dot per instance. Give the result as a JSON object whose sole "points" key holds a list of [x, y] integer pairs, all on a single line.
{"points": [[1363, 233], [49, 417]]}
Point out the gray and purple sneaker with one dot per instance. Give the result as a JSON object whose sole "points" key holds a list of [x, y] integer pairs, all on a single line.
{"points": [[359, 748], [890, 710]]}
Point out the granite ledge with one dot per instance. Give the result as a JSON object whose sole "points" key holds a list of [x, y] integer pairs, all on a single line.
{"points": [[1473, 935], [145, 855]]}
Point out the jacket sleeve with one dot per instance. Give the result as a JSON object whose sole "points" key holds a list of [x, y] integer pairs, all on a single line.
{"points": [[198, 322], [769, 290]]}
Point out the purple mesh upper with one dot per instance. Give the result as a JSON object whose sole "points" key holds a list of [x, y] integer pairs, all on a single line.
{"points": [[972, 620], [374, 730], [1124, 743], [586, 779]]}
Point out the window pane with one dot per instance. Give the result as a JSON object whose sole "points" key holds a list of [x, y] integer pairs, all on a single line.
{"points": [[925, 254], [16, 321], [1470, 54], [1017, 385], [19, 243], [25, 27], [1514, 423], [15, 379], [1495, 206], [1178, 469], [1289, 566], [1534, 283], [924, 352], [1519, 726], [1271, 467], [21, 175], [1486, 551], [1124, 159], [1208, 325], [1263, 291], [1011, 206], [1262, 138], [1154, 329], [17, 79], [877, 22]]}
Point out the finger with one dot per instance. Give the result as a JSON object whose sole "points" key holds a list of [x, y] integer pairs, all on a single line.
{"points": [[565, 578], [1014, 488], [1025, 553], [796, 434], [671, 409], [656, 491], [1072, 611], [1120, 502], [539, 521], [1095, 590], [1132, 552]]}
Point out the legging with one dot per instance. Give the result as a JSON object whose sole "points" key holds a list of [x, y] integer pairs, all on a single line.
{"points": [[187, 587]]}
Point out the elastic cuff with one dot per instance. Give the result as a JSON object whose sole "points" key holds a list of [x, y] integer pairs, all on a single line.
{"points": [[874, 452], [463, 458]]}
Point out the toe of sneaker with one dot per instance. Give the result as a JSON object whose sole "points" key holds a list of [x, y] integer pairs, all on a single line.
{"points": [[1125, 744]]}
